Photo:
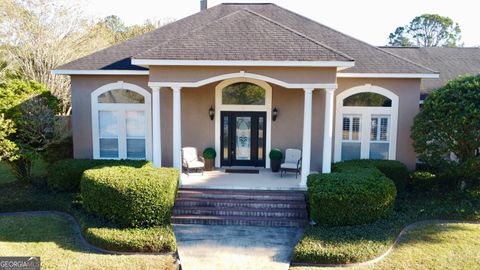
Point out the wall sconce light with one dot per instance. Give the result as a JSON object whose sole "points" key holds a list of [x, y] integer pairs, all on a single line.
{"points": [[211, 113], [274, 114]]}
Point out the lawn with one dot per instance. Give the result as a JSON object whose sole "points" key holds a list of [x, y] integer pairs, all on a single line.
{"points": [[6, 176], [440, 246], [52, 238], [351, 244]]}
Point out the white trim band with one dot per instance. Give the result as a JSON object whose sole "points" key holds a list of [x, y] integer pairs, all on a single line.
{"points": [[99, 72], [389, 75], [147, 62]]}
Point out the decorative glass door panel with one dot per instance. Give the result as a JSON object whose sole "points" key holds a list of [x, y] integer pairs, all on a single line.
{"points": [[242, 139]]}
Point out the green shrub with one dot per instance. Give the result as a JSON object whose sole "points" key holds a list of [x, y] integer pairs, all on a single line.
{"points": [[209, 153], [275, 154], [349, 198], [130, 197], [393, 169], [60, 150], [423, 181], [64, 175]]}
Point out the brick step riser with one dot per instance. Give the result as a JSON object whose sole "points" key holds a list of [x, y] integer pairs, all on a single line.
{"points": [[243, 197], [199, 211], [252, 205], [241, 222]]}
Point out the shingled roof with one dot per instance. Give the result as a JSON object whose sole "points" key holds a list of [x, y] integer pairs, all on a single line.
{"points": [[451, 62], [234, 31]]}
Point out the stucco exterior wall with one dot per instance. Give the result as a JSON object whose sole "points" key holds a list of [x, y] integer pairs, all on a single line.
{"points": [[198, 130]]}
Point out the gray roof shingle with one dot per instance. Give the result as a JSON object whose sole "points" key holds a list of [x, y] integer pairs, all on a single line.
{"points": [[299, 38], [451, 62]]}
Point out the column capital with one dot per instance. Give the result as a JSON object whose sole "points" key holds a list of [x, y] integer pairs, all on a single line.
{"points": [[308, 90], [176, 88], [155, 88], [330, 90]]}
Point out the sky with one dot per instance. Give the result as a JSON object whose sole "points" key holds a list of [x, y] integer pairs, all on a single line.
{"points": [[368, 20]]}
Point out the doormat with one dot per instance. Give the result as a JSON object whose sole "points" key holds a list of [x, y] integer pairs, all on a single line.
{"points": [[242, 171]]}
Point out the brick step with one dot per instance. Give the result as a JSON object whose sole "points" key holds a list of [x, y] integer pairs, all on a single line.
{"points": [[238, 220], [244, 212], [242, 194], [239, 203]]}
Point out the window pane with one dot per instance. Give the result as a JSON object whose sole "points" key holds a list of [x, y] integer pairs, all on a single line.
{"points": [[350, 150], [121, 96], [243, 94], [136, 124], [136, 148], [384, 129], [379, 150], [367, 99], [109, 148], [260, 137], [108, 123], [355, 128], [346, 128], [225, 138], [374, 129]]}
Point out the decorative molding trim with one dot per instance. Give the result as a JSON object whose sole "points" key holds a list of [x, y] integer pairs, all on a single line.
{"points": [[389, 75], [244, 63], [99, 72]]}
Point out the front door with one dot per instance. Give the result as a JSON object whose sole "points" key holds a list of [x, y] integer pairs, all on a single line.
{"points": [[243, 138]]}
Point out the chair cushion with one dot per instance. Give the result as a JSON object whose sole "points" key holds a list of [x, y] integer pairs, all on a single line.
{"points": [[189, 154], [195, 164], [289, 166], [292, 155]]}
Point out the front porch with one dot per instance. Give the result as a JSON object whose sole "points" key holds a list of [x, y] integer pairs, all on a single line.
{"points": [[264, 180]]}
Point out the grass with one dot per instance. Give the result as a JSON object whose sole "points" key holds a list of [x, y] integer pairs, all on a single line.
{"points": [[24, 197], [52, 238], [39, 170], [350, 244], [6, 176], [439, 246]]}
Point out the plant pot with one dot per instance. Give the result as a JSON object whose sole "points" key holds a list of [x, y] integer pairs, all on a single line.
{"points": [[275, 165], [209, 164]]}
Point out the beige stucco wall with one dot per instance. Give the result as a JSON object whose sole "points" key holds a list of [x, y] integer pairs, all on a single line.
{"points": [[286, 74], [198, 130]]}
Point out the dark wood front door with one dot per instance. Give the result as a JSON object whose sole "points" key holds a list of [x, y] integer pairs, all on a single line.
{"points": [[243, 138]]}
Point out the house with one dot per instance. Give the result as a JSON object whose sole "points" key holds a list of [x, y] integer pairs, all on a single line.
{"points": [[450, 62], [213, 79]]}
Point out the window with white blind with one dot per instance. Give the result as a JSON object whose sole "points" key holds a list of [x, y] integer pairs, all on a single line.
{"points": [[121, 122], [366, 120]]}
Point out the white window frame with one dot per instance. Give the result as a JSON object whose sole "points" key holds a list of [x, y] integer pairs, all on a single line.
{"points": [[267, 107], [122, 108], [366, 116]]}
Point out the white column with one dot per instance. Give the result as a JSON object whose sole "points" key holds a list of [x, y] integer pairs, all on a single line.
{"points": [[307, 135], [177, 128], [328, 131], [156, 129]]}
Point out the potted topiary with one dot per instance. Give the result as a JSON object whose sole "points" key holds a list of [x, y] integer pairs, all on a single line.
{"points": [[209, 155], [275, 159]]}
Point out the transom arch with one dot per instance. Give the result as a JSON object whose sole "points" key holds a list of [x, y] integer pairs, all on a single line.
{"points": [[366, 89], [118, 86]]}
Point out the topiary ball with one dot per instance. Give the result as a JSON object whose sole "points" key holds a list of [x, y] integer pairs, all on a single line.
{"points": [[275, 154], [209, 153]]}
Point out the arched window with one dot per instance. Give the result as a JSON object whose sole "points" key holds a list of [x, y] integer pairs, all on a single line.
{"points": [[121, 122], [366, 124], [243, 93]]}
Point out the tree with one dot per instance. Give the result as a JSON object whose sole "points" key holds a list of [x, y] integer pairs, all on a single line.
{"points": [[449, 122], [427, 30], [27, 112]]}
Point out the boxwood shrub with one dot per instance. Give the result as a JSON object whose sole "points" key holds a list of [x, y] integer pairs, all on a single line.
{"points": [[350, 198], [64, 175], [393, 169], [130, 197], [423, 181]]}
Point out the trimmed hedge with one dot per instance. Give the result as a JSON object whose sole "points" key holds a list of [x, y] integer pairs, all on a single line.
{"points": [[350, 198], [130, 197], [393, 169], [64, 175]]}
